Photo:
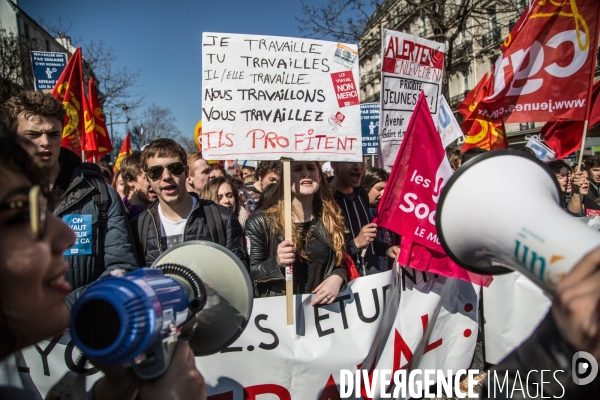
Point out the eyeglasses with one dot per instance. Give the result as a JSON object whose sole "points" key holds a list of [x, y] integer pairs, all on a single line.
{"points": [[154, 172], [38, 206]]}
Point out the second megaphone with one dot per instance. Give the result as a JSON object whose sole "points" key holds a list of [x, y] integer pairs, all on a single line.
{"points": [[196, 291], [502, 210]]}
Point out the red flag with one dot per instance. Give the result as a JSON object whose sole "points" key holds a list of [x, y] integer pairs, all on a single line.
{"points": [[408, 207], [480, 130], [68, 90], [564, 137], [470, 104], [544, 70], [486, 134], [88, 138], [124, 152], [102, 138]]}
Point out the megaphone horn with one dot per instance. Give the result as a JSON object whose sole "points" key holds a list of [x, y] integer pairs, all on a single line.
{"points": [[501, 212], [196, 291]]}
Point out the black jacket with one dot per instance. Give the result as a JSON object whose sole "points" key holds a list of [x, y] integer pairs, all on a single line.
{"points": [[196, 228], [112, 247], [547, 350], [267, 277], [356, 213]]}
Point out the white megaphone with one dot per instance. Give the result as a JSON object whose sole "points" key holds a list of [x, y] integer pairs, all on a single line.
{"points": [[501, 212]]}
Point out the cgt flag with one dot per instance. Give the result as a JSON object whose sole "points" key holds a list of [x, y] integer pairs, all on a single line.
{"points": [[124, 152], [544, 70], [102, 139], [564, 137], [486, 134], [481, 130], [409, 205], [69, 90]]}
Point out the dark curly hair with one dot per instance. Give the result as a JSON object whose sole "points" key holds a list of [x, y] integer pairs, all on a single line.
{"points": [[31, 103], [264, 167]]}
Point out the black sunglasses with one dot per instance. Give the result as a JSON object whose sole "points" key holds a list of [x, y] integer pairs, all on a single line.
{"points": [[154, 172]]}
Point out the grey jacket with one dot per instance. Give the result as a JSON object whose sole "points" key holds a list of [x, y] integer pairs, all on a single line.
{"points": [[112, 247]]}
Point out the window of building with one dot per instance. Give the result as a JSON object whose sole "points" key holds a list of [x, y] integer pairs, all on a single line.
{"points": [[525, 126], [26, 30], [47, 45]]}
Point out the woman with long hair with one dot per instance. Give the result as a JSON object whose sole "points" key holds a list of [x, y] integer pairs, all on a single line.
{"points": [[316, 250], [373, 182], [224, 191]]}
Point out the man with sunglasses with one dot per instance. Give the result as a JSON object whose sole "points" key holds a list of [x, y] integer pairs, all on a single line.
{"points": [[78, 193], [179, 216]]}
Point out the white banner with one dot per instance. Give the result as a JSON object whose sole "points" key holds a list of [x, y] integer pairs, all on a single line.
{"points": [[400, 319], [513, 307], [410, 65], [542, 152], [267, 97], [447, 125]]}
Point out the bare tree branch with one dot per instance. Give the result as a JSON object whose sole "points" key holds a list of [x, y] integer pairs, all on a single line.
{"points": [[469, 28]]}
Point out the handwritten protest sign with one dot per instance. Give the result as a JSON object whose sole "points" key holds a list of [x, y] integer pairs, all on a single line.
{"points": [[264, 97], [410, 65], [382, 321]]}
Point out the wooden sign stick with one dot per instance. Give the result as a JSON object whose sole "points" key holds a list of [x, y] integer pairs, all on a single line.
{"points": [[287, 211]]}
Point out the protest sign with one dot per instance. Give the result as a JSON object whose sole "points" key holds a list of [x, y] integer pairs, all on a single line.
{"points": [[399, 319], [369, 120], [47, 67], [267, 97], [542, 152], [447, 125], [410, 65]]}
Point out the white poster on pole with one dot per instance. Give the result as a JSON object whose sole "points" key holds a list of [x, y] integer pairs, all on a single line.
{"points": [[395, 320], [410, 65], [447, 124], [267, 97], [542, 152]]}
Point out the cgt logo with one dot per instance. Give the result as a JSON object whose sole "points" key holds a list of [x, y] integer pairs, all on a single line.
{"points": [[584, 368]]}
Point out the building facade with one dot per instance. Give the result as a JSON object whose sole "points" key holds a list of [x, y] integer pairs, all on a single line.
{"points": [[21, 34], [474, 50]]}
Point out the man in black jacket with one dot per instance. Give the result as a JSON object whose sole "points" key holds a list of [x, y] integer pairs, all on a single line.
{"points": [[355, 207], [80, 195], [179, 216]]}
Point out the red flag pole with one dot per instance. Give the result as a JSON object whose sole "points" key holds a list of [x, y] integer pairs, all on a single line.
{"points": [[588, 108]]}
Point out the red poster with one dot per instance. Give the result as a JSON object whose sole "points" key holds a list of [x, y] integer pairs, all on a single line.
{"points": [[409, 203], [346, 91]]}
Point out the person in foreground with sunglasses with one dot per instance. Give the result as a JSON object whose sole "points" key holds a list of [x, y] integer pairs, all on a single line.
{"points": [[79, 194], [33, 290], [179, 216]]}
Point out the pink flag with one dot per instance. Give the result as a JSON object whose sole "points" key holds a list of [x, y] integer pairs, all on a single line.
{"points": [[409, 203]]}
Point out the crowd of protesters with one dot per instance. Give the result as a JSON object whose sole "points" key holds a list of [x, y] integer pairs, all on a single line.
{"points": [[162, 196]]}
